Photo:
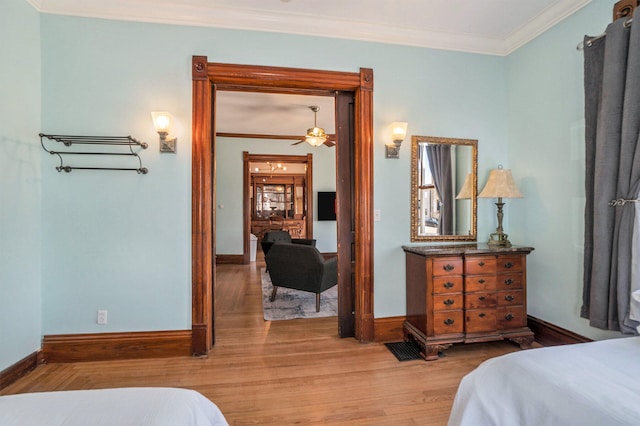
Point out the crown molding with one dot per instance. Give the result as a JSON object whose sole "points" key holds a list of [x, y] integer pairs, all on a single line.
{"points": [[178, 13], [547, 19]]}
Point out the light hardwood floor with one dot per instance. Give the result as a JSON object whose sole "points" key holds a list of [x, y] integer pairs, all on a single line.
{"points": [[286, 372]]}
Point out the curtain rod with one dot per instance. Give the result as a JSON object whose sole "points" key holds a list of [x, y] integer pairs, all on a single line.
{"points": [[581, 45]]}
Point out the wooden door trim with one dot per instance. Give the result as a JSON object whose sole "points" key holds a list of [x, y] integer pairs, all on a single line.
{"points": [[205, 75]]}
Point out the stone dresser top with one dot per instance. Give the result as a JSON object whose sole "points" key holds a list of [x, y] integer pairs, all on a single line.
{"points": [[456, 249]]}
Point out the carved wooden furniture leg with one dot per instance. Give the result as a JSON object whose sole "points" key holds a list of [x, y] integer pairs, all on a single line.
{"points": [[432, 351], [317, 302], [525, 342]]}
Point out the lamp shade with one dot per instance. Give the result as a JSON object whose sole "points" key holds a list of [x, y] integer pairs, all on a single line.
{"points": [[467, 189], [161, 121], [399, 131], [500, 185], [316, 136]]}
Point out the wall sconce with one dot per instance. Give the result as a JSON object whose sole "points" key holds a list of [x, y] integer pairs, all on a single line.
{"points": [[162, 123], [398, 133], [500, 185]]}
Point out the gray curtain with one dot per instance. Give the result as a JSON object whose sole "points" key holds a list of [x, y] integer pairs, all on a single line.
{"points": [[439, 156], [612, 119]]}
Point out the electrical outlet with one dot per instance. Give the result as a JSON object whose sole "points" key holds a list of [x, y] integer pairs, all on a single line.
{"points": [[102, 317], [376, 215]]}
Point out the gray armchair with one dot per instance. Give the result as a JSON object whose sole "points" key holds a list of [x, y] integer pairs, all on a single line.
{"points": [[272, 237], [300, 267]]}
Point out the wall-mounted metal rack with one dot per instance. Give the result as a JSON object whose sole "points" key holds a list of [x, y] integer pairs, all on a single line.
{"points": [[127, 143]]}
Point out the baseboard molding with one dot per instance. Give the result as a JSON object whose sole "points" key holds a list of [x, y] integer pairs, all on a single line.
{"points": [[548, 334], [19, 369], [230, 259], [116, 346], [388, 329]]}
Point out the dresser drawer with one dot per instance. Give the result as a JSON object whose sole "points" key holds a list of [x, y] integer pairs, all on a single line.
{"points": [[480, 300], [480, 283], [447, 285], [447, 266], [509, 282], [447, 301], [511, 317], [510, 298], [480, 320], [509, 263], [476, 265], [448, 322]]}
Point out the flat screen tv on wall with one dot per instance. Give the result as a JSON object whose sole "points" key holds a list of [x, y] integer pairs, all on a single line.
{"points": [[326, 205]]}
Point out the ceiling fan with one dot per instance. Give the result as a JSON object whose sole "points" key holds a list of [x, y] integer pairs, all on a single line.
{"points": [[316, 136]]}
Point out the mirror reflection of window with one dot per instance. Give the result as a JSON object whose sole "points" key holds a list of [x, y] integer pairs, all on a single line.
{"points": [[427, 196], [440, 167]]}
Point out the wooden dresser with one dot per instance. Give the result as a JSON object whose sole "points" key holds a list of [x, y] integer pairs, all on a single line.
{"points": [[464, 294]]}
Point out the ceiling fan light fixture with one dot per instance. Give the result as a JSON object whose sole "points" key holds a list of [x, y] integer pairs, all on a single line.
{"points": [[315, 136]]}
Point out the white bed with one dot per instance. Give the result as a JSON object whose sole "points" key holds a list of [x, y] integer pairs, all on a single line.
{"points": [[122, 406], [596, 383]]}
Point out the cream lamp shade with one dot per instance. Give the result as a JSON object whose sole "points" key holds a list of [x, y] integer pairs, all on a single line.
{"points": [[500, 185], [466, 192]]}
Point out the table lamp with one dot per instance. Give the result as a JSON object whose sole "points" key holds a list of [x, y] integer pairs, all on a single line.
{"points": [[500, 185]]}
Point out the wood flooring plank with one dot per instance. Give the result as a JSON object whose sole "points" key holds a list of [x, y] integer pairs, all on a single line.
{"points": [[285, 372]]}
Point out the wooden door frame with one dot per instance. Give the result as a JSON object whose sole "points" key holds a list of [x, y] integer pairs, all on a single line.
{"points": [[246, 196], [205, 77]]}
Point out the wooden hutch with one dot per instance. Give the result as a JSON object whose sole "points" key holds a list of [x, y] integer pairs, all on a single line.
{"points": [[278, 201]]}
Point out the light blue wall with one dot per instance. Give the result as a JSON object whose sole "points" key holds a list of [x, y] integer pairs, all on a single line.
{"points": [[229, 226], [121, 242], [546, 152], [20, 205]]}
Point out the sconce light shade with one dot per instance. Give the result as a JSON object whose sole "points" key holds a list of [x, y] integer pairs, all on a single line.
{"points": [[398, 133], [500, 185], [467, 190], [162, 123]]}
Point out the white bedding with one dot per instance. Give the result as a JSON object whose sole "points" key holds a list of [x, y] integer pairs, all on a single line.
{"points": [[123, 406], [596, 383]]}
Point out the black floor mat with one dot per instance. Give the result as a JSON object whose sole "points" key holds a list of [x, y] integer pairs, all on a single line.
{"points": [[404, 351]]}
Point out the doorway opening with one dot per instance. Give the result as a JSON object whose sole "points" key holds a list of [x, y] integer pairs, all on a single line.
{"points": [[354, 126]]}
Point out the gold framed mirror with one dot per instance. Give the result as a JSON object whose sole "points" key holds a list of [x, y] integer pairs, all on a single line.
{"points": [[444, 176]]}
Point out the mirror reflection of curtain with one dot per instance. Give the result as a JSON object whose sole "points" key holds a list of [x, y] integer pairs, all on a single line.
{"points": [[612, 119], [439, 156]]}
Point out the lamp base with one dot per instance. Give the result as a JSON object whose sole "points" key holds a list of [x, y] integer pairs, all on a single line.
{"points": [[499, 239]]}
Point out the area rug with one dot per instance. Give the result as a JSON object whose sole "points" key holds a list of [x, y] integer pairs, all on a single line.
{"points": [[290, 304]]}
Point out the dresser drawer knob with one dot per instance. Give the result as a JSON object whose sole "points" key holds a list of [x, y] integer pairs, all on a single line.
{"points": [[482, 315], [481, 281], [448, 267], [508, 265], [448, 321], [509, 298], [481, 298], [508, 317], [508, 281], [449, 302], [481, 263], [448, 284]]}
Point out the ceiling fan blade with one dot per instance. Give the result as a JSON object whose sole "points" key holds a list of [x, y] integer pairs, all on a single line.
{"points": [[329, 143], [299, 142]]}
